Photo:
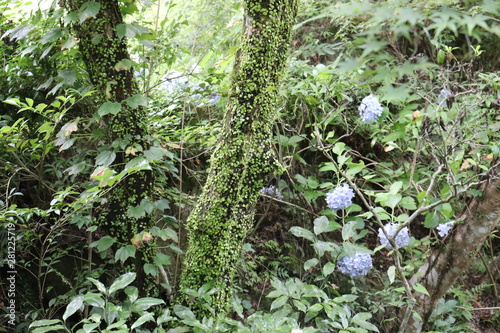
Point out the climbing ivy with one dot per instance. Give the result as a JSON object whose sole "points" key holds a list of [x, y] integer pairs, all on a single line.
{"points": [[242, 157]]}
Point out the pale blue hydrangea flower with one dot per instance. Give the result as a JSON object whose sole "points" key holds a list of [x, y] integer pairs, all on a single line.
{"points": [[272, 191], [356, 266], [340, 198], [444, 228], [402, 239], [370, 109]]}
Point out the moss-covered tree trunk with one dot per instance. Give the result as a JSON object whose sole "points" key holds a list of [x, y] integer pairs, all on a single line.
{"points": [[243, 156], [447, 263], [107, 62]]}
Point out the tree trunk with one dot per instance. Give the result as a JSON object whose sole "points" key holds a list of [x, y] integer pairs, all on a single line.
{"points": [[243, 156], [103, 51], [447, 263]]}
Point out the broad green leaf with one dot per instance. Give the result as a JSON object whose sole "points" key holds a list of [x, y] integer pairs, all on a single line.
{"points": [[361, 320], [145, 303], [301, 232], [395, 187], [328, 268], [393, 200], [136, 212], [421, 289], [142, 319], [95, 299], [322, 224], [75, 305], [391, 273], [137, 100], [431, 220], [122, 281], [150, 269], [45, 322], [100, 286], [109, 108], [183, 312], [105, 158], [54, 328], [104, 243], [279, 302], [125, 252], [162, 259], [154, 154], [88, 10], [408, 203], [310, 263], [299, 305]]}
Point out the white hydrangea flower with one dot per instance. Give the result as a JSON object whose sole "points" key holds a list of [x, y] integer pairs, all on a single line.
{"points": [[444, 228], [402, 239], [340, 198], [356, 266], [370, 109]]}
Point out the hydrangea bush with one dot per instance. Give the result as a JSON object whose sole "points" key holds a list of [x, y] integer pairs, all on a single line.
{"points": [[340, 198], [402, 239], [356, 266]]}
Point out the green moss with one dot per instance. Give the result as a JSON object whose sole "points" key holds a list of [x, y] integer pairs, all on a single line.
{"points": [[243, 156]]}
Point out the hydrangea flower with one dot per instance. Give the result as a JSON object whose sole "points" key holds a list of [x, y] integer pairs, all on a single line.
{"points": [[444, 95], [340, 198], [444, 228], [402, 239], [272, 191], [356, 266], [370, 109]]}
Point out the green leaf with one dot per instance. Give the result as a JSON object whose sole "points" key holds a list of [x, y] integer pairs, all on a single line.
{"points": [[55, 328], [142, 304], [408, 203], [100, 286], [431, 220], [183, 312], [137, 100], [154, 154], [395, 187], [122, 281], [391, 273], [150, 269], [421, 289], [310, 263], [109, 108], [301, 232], [125, 252], [393, 200], [75, 305], [45, 322], [88, 10], [142, 319], [105, 158], [328, 268], [279, 302], [322, 224], [161, 259], [136, 212], [104, 243]]}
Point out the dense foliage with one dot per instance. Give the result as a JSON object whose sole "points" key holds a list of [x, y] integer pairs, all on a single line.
{"points": [[385, 154]]}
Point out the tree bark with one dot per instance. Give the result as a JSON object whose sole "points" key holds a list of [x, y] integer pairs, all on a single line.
{"points": [[243, 156], [102, 50], [448, 262]]}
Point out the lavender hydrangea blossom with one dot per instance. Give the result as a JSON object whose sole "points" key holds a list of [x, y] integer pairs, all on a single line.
{"points": [[402, 239], [272, 191], [356, 266], [340, 198], [444, 228], [370, 109]]}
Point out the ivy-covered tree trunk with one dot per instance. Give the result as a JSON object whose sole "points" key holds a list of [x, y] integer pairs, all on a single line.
{"points": [[108, 64], [447, 263], [243, 156]]}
